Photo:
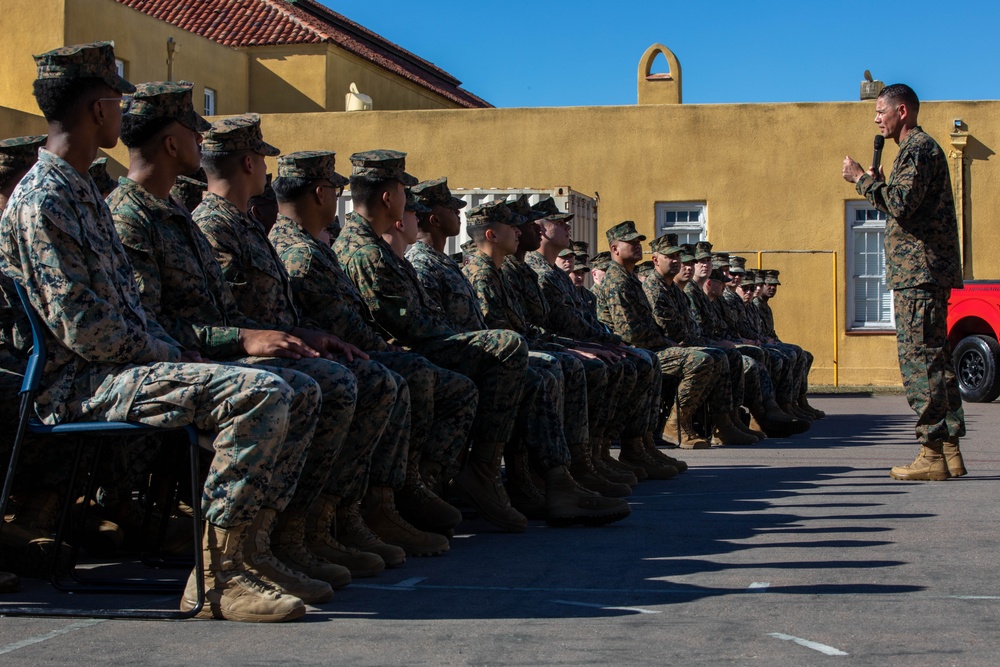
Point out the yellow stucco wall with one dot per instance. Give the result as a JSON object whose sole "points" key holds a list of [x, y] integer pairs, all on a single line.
{"points": [[770, 174], [14, 123], [29, 27], [388, 91], [286, 79]]}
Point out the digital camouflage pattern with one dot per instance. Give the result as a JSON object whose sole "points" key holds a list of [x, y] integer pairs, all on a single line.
{"points": [[566, 314], [436, 193], [182, 285], [396, 302], [237, 133], [99, 172], [18, 154], [447, 287], [624, 231], [443, 403], [95, 60], [107, 360], [382, 164], [311, 165], [550, 210], [188, 192], [263, 292], [164, 99]]}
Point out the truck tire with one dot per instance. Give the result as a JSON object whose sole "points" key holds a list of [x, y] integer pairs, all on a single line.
{"points": [[976, 358]]}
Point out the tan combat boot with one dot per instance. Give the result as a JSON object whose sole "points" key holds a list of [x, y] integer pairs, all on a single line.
{"points": [[728, 434], [953, 458], [607, 471], [737, 421], [320, 541], [770, 418], [379, 511], [583, 471], [928, 466], [616, 464], [479, 485], [689, 437], [26, 540], [671, 430], [567, 503], [654, 451], [290, 547], [634, 452], [524, 495], [265, 566], [231, 591], [99, 536], [353, 532], [803, 403], [423, 508]]}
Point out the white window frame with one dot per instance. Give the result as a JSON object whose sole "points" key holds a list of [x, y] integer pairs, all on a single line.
{"points": [[686, 230], [856, 279], [211, 97]]}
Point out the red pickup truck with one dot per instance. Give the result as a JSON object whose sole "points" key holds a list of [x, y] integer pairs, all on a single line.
{"points": [[973, 331]]}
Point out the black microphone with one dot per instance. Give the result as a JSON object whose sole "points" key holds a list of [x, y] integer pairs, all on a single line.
{"points": [[877, 157]]}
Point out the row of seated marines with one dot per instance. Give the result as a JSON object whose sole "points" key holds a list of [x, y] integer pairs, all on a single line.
{"points": [[353, 383]]}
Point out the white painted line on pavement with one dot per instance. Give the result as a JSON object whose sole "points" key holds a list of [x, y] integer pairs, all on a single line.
{"points": [[758, 586], [409, 583], [38, 639], [816, 646], [638, 610]]}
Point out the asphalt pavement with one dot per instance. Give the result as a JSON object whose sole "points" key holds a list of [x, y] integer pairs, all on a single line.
{"points": [[799, 551]]}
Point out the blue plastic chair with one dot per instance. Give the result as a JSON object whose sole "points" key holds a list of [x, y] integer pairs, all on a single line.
{"points": [[83, 431]]}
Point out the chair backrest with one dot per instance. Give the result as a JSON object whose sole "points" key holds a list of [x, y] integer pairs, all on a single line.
{"points": [[36, 362]]}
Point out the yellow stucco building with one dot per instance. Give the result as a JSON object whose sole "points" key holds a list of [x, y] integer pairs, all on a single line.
{"points": [[749, 177]]}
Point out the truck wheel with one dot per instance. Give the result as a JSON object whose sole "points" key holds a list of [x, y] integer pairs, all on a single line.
{"points": [[975, 360]]}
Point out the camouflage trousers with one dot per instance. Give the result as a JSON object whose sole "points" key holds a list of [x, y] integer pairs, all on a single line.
{"points": [[758, 361], [496, 361], [925, 362], [622, 376], [575, 389], [696, 370], [727, 392], [782, 370], [539, 428], [263, 426], [641, 409], [442, 407]]}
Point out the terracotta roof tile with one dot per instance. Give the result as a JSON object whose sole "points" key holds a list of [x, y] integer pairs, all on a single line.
{"points": [[243, 23]]}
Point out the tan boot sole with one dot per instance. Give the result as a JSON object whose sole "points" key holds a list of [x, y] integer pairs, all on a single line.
{"points": [[922, 476]]}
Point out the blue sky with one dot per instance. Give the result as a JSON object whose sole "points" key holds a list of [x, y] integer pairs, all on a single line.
{"points": [[561, 53]]}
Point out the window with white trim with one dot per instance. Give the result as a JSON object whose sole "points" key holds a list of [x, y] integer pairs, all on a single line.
{"points": [[686, 219], [209, 101], [869, 303]]}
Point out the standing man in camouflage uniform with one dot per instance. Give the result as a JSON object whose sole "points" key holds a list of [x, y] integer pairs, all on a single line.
{"points": [[922, 266], [109, 361], [401, 310]]}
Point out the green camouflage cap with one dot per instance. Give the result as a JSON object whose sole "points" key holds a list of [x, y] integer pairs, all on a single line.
{"points": [[99, 172], [519, 206], [414, 204], [83, 61], [311, 165], [551, 211], [665, 245], [644, 268], [720, 259], [164, 99], [18, 154], [737, 265], [687, 252], [718, 276], [237, 133], [580, 247], [750, 277], [491, 212], [624, 231], [702, 250], [566, 252], [771, 277], [581, 257], [601, 261], [382, 164], [436, 192], [188, 191], [581, 267]]}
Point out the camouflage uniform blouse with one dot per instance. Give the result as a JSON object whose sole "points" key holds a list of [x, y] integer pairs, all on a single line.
{"points": [[704, 314], [738, 316], [567, 316], [58, 238], [672, 311], [446, 285], [766, 318], [631, 315], [921, 235], [179, 279], [321, 287]]}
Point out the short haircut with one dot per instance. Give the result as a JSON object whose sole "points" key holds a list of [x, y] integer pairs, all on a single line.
{"points": [[289, 188], [223, 165], [59, 99], [900, 92], [365, 190], [137, 130]]}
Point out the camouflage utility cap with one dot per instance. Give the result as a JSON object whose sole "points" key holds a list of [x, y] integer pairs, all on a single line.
{"points": [[188, 184], [737, 265], [436, 192], [310, 165], [566, 252], [18, 154], [83, 61], [163, 99], [644, 268], [601, 261], [749, 278], [687, 253], [237, 133], [550, 211], [771, 277], [720, 259], [581, 257], [414, 204], [99, 172], [718, 276], [580, 247], [665, 245], [702, 250], [581, 267], [489, 213], [624, 231], [519, 206], [382, 164]]}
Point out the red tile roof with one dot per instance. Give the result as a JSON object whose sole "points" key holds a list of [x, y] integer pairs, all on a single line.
{"points": [[244, 23]]}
